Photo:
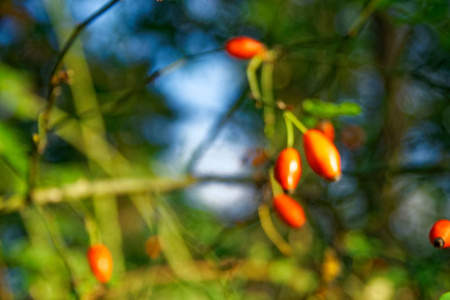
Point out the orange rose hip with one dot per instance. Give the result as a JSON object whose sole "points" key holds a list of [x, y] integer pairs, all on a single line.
{"points": [[289, 210], [100, 261], [288, 169], [440, 234], [244, 47], [322, 155]]}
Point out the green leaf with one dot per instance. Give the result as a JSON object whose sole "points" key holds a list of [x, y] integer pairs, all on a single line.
{"points": [[445, 296], [328, 110]]}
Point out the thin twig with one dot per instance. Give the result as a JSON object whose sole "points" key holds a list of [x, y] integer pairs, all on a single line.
{"points": [[44, 116], [83, 189], [213, 132], [117, 103], [78, 29], [352, 32], [365, 14]]}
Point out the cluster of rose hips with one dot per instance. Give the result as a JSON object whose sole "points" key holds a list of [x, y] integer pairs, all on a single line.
{"points": [[323, 158], [321, 154], [320, 151]]}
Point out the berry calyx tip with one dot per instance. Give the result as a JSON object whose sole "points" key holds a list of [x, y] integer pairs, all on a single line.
{"points": [[438, 243]]}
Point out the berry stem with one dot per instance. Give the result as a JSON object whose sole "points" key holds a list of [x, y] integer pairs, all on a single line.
{"points": [[271, 231], [291, 117], [267, 89], [92, 230], [253, 65], [289, 132], [276, 187]]}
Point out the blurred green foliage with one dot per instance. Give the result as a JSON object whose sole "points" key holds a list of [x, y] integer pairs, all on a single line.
{"points": [[378, 69]]}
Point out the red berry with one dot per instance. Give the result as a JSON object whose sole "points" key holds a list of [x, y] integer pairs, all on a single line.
{"points": [[327, 128], [289, 210], [288, 168], [244, 47], [100, 261], [440, 234], [322, 155]]}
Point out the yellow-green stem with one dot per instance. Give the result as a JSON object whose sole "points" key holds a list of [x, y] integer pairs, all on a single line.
{"points": [[253, 65], [271, 231], [92, 230], [289, 133], [291, 117], [267, 97]]}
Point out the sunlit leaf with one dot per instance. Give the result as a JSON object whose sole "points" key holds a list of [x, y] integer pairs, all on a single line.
{"points": [[330, 110]]}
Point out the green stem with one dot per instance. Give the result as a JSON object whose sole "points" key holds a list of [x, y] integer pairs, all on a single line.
{"points": [[267, 89], [92, 230], [291, 117], [276, 187], [267, 85], [253, 65], [271, 232], [213, 133], [289, 132]]}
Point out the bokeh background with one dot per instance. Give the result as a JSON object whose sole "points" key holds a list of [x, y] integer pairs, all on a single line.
{"points": [[180, 156]]}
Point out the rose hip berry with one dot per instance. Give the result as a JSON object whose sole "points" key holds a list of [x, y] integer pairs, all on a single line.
{"points": [[440, 234], [322, 155], [100, 261], [288, 169], [244, 47], [289, 210]]}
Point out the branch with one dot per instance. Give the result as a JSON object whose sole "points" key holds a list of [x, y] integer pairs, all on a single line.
{"points": [[83, 189], [352, 32], [152, 77], [44, 116], [213, 132], [78, 29], [115, 104], [365, 14]]}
